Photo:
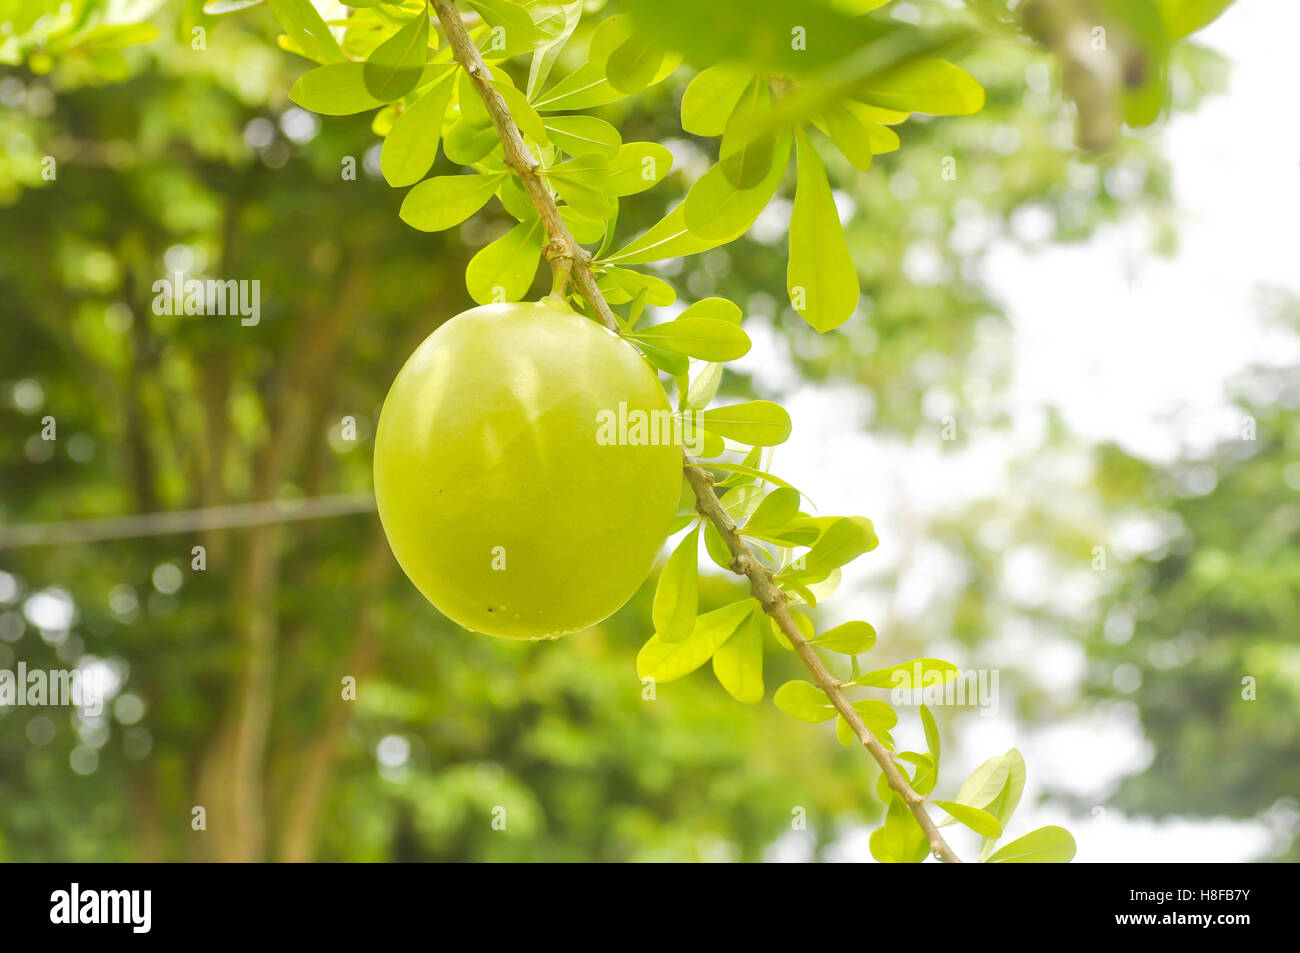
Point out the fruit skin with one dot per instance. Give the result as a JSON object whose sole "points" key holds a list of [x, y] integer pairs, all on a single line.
{"points": [[488, 438]]}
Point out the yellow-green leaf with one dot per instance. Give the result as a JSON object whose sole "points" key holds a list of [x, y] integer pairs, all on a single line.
{"points": [[804, 701], [977, 819], [707, 339], [395, 66], [504, 269], [711, 97], [412, 143], [747, 143], [582, 135], [758, 423], [677, 594], [821, 278], [850, 638], [925, 85], [738, 662], [632, 65], [636, 166], [714, 207], [911, 676], [338, 89], [666, 661], [1047, 845], [447, 200]]}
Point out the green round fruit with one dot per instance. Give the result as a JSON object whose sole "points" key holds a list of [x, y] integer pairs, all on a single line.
{"points": [[507, 496]]}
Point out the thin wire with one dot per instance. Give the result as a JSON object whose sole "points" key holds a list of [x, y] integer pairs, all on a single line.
{"points": [[184, 521]]}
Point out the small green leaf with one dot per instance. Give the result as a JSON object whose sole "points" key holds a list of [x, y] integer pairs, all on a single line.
{"points": [[778, 508], [714, 207], [759, 423], [584, 88], [978, 820], [851, 638], [466, 144], [911, 675], [857, 138], [821, 278], [609, 35], [510, 23], [447, 200], [748, 471], [925, 776], [677, 594], [1047, 845], [636, 166], [1008, 798], [745, 155], [925, 85], [521, 111], [738, 662], [214, 8], [504, 269], [704, 388], [804, 701], [985, 783], [668, 238], [587, 230], [711, 97], [472, 108], [844, 540], [801, 622], [1184, 17], [582, 135], [581, 182], [621, 285], [667, 661], [900, 839], [412, 143], [395, 67], [705, 338], [675, 365], [931, 734], [299, 19], [719, 308], [338, 89], [545, 55], [632, 65]]}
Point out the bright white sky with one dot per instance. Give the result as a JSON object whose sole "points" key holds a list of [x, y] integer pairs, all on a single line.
{"points": [[1146, 365]]}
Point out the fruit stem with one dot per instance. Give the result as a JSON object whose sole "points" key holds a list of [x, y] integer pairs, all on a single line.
{"points": [[563, 252]]}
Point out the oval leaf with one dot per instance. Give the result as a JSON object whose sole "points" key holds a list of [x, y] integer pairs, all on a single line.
{"points": [[759, 423], [708, 339], [804, 701], [821, 278], [851, 638], [666, 661], [447, 200], [980, 821], [677, 594], [395, 66], [1047, 845]]}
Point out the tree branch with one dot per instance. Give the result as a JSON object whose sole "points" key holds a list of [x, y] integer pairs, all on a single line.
{"points": [[744, 563]]}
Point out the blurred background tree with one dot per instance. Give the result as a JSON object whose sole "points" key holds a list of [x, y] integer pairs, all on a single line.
{"points": [[138, 140]]}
